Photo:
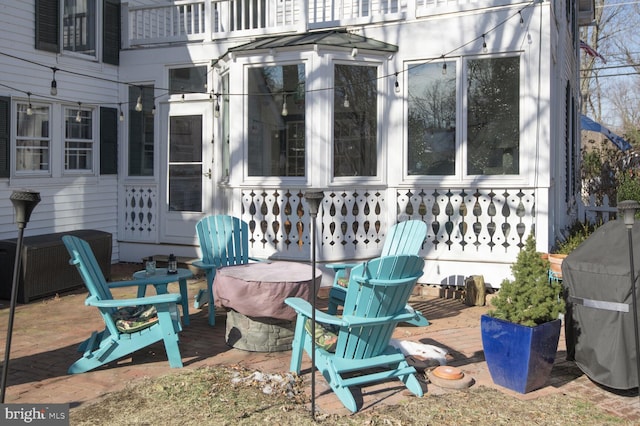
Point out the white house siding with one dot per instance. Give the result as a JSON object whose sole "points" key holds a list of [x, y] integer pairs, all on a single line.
{"points": [[68, 201], [440, 29]]}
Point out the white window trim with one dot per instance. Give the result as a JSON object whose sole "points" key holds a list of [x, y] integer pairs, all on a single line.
{"points": [[94, 142], [14, 142]]}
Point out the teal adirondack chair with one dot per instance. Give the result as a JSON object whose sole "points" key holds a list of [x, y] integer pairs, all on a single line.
{"points": [[403, 238], [125, 332], [224, 241], [375, 303]]}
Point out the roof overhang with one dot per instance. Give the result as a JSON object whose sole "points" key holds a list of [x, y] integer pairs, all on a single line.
{"points": [[336, 40]]}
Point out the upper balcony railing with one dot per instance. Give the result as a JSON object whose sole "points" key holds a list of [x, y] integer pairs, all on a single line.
{"points": [[208, 20]]}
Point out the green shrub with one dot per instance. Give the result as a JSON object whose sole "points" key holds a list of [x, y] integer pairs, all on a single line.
{"points": [[628, 186], [574, 235], [530, 299]]}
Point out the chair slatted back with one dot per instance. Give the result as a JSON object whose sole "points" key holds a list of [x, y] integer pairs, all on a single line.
{"points": [[378, 289], [224, 240], [85, 261], [405, 238]]}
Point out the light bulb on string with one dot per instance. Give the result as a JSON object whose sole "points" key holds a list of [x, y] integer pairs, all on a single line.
{"points": [[396, 84], [444, 66], [346, 103], [139, 102], [54, 83], [216, 108], [285, 111], [29, 108], [484, 44], [78, 116], [153, 109], [121, 113], [521, 19]]}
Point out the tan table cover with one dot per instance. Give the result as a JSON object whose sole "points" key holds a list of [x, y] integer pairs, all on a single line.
{"points": [[259, 289]]}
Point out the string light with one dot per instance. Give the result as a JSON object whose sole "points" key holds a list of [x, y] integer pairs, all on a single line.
{"points": [[521, 19], [354, 52], [139, 102], [216, 108], [153, 109], [346, 103], [29, 108], [121, 113], [484, 44], [285, 111], [444, 66], [54, 83], [78, 116]]}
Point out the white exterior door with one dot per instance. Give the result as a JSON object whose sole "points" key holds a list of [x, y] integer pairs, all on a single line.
{"points": [[186, 169]]}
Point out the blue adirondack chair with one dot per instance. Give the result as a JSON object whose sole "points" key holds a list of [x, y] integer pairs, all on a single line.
{"points": [[224, 241], [403, 238], [125, 332], [375, 303]]}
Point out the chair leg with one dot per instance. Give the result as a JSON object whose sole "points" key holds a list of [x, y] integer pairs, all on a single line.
{"points": [[297, 346], [212, 308]]}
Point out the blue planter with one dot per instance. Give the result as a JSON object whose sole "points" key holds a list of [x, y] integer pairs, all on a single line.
{"points": [[519, 358]]}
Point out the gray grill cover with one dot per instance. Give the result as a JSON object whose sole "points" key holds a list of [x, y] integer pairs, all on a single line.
{"points": [[599, 326]]}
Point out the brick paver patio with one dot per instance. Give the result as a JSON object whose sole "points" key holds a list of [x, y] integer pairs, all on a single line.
{"points": [[46, 334]]}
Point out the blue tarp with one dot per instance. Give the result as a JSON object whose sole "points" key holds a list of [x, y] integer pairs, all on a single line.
{"points": [[588, 124]]}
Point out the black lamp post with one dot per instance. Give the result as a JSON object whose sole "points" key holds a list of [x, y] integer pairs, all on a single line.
{"points": [[23, 202], [629, 208], [313, 199]]}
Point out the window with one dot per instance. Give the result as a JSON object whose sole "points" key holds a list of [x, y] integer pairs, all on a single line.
{"points": [[32, 138], [78, 139], [355, 109], [188, 80], [491, 117], [493, 125], [79, 26], [276, 140], [78, 21], [141, 139], [432, 119]]}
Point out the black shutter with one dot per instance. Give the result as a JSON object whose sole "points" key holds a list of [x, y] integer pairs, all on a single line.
{"points": [[5, 146], [111, 32], [48, 25], [108, 141]]}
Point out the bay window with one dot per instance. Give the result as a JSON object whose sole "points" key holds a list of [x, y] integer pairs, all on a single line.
{"points": [[276, 121], [355, 121], [489, 106]]}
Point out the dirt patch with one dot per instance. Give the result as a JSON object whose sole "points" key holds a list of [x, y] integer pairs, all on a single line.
{"points": [[230, 396]]}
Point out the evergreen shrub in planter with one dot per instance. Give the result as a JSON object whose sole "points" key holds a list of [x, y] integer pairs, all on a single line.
{"points": [[520, 334]]}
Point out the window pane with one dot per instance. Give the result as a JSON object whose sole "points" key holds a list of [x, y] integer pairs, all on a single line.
{"points": [[276, 143], [185, 139], [185, 188], [355, 121], [78, 144], [141, 140], [432, 119], [79, 26], [32, 138], [493, 129], [188, 80]]}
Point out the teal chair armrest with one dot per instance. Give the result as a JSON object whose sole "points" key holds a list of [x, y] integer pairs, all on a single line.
{"points": [[304, 308], [341, 266], [151, 300]]}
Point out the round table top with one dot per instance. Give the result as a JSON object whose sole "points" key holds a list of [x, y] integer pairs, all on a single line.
{"points": [[259, 289], [162, 276]]}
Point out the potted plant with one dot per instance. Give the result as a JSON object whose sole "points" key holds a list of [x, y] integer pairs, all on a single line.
{"points": [[520, 334], [575, 235]]}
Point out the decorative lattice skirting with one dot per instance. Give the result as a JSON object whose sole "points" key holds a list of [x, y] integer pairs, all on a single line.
{"points": [[258, 334]]}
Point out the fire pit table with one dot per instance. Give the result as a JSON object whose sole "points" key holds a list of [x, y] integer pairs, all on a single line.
{"points": [[258, 319]]}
